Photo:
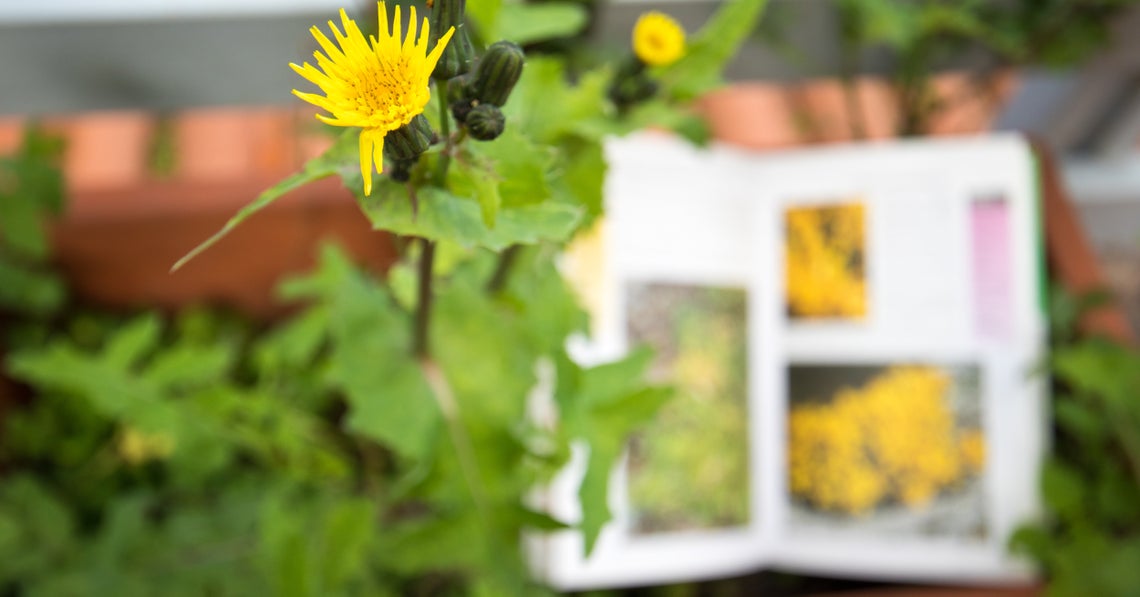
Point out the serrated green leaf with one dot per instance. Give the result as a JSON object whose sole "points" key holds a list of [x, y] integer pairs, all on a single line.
{"points": [[341, 156], [443, 216], [388, 397], [611, 422], [603, 405]]}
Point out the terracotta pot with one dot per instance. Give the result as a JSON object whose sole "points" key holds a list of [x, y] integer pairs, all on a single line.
{"points": [[126, 226]]}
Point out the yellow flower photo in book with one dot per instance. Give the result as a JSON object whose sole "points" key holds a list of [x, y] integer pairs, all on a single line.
{"points": [[825, 274], [900, 442]]}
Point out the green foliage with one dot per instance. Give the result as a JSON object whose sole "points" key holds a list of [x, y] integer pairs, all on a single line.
{"points": [[1090, 541], [30, 191]]}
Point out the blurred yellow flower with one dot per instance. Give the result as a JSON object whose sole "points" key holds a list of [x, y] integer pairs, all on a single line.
{"points": [[378, 84], [137, 447], [894, 439], [824, 274], [657, 39]]}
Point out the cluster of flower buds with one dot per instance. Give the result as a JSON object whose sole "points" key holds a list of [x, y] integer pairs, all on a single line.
{"points": [[476, 88], [657, 41], [477, 97]]}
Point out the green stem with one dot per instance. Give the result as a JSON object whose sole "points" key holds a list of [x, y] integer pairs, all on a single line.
{"points": [[503, 269], [422, 322], [445, 133]]}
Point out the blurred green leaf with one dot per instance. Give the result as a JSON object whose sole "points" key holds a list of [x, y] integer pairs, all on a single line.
{"points": [[712, 47], [527, 23], [24, 289], [444, 216], [1062, 488]]}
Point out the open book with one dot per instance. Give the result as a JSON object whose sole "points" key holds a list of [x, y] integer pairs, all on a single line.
{"points": [[852, 332]]}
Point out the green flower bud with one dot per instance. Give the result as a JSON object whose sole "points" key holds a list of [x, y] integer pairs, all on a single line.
{"points": [[631, 89], [410, 140], [485, 122], [498, 71], [459, 53]]}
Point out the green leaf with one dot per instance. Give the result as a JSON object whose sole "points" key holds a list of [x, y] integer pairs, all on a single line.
{"points": [[522, 167], [283, 547], [294, 343], [584, 177], [1080, 420], [188, 365], [24, 289], [485, 16], [1100, 368], [130, 344], [349, 529], [528, 23], [340, 157], [547, 107], [388, 397], [22, 226], [443, 216], [604, 405], [712, 48], [416, 547], [476, 177], [1062, 488]]}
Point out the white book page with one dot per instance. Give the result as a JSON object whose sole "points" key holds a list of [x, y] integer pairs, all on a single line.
{"points": [[945, 320]]}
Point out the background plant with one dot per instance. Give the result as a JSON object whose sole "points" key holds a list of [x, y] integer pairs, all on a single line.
{"points": [[910, 41], [1089, 539]]}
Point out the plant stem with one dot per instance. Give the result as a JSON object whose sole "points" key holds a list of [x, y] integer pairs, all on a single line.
{"points": [[421, 325], [422, 322], [445, 133], [503, 269]]}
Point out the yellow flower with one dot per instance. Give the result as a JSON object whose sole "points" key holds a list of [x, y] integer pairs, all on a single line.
{"points": [[378, 84], [657, 39]]}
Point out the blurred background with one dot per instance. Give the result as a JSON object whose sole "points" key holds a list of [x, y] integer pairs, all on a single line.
{"points": [[174, 113]]}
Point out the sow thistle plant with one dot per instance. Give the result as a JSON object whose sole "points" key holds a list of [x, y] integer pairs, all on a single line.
{"points": [[482, 162]]}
